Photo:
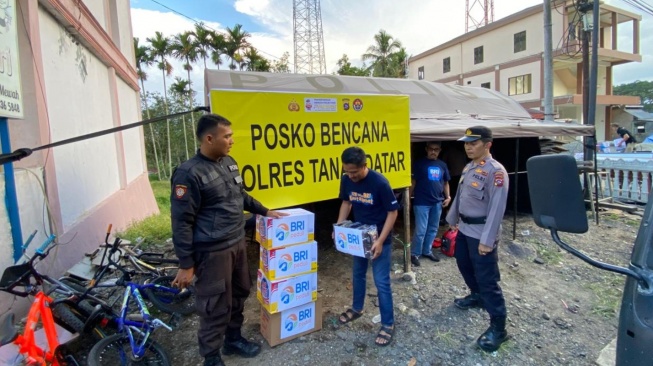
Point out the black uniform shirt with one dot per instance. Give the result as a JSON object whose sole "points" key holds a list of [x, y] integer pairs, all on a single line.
{"points": [[207, 203]]}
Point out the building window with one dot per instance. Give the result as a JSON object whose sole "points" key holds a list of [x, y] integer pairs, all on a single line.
{"points": [[519, 85], [478, 55], [520, 41], [446, 65], [420, 73], [486, 86]]}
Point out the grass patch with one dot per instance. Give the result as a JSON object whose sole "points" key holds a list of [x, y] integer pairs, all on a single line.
{"points": [[156, 228], [444, 338], [549, 253], [608, 295]]}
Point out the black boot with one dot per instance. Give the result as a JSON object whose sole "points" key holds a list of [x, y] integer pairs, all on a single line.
{"points": [[472, 300], [213, 361], [494, 336], [234, 343]]}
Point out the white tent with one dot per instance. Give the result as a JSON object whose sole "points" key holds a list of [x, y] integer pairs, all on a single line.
{"points": [[437, 111]]}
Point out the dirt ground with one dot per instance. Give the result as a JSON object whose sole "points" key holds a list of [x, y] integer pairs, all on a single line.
{"points": [[561, 311]]}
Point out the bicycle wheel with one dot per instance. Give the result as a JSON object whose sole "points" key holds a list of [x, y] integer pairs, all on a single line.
{"points": [[116, 350], [169, 299], [73, 320]]}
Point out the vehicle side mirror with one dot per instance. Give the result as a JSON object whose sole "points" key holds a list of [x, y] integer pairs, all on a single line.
{"points": [[556, 194]]}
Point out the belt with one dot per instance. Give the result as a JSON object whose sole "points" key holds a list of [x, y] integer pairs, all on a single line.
{"points": [[473, 220]]}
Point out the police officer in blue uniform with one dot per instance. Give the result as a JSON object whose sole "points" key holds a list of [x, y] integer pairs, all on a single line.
{"points": [[477, 212], [207, 203]]}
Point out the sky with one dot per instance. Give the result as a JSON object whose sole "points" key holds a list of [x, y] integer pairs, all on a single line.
{"points": [[348, 26]]}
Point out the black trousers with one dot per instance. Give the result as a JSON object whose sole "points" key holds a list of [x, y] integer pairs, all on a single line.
{"points": [[221, 287], [481, 273]]}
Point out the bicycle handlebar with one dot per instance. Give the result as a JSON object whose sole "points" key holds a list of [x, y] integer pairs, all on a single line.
{"points": [[41, 250]]}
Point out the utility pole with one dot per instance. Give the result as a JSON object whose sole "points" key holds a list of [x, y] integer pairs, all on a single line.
{"points": [[548, 63]]}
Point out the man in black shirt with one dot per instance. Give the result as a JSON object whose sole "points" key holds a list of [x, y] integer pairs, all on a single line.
{"points": [[626, 136], [207, 203]]}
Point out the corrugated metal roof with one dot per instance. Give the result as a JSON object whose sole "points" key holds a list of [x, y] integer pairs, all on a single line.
{"points": [[640, 114]]}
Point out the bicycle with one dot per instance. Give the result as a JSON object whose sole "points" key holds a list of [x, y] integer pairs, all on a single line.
{"points": [[43, 307], [132, 343]]}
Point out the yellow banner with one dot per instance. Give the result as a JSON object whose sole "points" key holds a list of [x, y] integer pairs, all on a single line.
{"points": [[288, 145]]}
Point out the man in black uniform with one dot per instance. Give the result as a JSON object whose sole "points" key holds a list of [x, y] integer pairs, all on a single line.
{"points": [[626, 137], [207, 204], [477, 211]]}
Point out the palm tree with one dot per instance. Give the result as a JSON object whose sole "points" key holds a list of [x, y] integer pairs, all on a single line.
{"points": [[381, 54], [180, 89], [160, 46], [399, 62], [253, 61], [144, 59], [184, 48], [217, 46], [202, 41], [236, 41]]}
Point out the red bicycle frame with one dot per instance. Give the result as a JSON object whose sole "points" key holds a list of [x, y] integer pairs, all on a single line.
{"points": [[27, 342]]}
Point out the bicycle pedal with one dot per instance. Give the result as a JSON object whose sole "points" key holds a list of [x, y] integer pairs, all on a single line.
{"points": [[175, 320]]}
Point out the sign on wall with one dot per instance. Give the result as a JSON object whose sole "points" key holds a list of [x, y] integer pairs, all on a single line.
{"points": [[288, 145], [11, 97]]}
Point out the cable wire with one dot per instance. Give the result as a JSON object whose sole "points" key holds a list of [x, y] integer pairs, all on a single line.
{"points": [[215, 30]]}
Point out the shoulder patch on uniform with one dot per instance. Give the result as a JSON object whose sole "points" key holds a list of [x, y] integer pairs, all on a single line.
{"points": [[233, 167], [498, 179], [180, 191]]}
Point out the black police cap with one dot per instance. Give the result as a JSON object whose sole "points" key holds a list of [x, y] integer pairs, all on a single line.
{"points": [[476, 133]]}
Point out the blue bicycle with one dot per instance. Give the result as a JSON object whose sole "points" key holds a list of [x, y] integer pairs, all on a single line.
{"points": [[132, 343]]}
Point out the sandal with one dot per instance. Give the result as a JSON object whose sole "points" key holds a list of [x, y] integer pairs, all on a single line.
{"points": [[349, 316], [385, 333]]}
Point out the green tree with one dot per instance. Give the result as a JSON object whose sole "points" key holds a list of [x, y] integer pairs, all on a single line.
{"points": [[282, 64], [345, 68], [236, 41], [184, 48], [255, 62], [160, 46], [400, 63], [218, 48], [381, 55], [202, 41], [642, 89], [144, 58]]}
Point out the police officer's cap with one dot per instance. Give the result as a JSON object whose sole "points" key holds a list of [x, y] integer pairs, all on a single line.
{"points": [[476, 133]]}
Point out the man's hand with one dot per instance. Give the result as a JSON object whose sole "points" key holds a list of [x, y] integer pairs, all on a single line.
{"points": [[484, 249], [276, 214], [446, 202], [453, 227], [377, 249], [184, 277]]}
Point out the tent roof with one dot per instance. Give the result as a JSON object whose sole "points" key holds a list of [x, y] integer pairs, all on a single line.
{"points": [[437, 111]]}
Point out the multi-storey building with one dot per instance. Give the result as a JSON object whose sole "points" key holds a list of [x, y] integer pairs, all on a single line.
{"points": [[507, 56]]}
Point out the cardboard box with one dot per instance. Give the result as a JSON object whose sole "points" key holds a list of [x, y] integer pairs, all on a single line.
{"points": [[292, 323], [298, 227], [288, 261], [355, 238], [279, 295]]}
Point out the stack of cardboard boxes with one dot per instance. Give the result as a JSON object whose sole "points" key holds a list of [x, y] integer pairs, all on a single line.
{"points": [[287, 277]]}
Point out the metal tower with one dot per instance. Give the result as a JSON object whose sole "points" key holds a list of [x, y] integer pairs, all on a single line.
{"points": [[478, 13], [308, 37]]}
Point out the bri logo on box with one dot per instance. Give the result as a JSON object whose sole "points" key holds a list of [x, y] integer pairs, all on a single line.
{"points": [[287, 295], [285, 262], [291, 322], [342, 240], [285, 231]]}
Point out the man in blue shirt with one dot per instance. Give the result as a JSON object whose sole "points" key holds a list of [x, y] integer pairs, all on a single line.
{"points": [[368, 194], [430, 190]]}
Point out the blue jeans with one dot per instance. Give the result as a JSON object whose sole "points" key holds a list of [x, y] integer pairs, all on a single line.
{"points": [[381, 273], [427, 221]]}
